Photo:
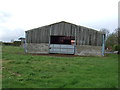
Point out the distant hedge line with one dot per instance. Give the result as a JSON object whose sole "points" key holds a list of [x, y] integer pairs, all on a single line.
{"points": [[15, 43]]}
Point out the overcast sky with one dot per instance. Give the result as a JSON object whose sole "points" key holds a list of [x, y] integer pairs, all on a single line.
{"points": [[17, 16]]}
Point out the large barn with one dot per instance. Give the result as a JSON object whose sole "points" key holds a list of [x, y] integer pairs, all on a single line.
{"points": [[65, 38]]}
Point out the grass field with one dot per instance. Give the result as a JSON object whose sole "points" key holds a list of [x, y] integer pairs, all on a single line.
{"points": [[22, 70]]}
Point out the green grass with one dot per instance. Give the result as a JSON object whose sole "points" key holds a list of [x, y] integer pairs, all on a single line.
{"points": [[22, 70]]}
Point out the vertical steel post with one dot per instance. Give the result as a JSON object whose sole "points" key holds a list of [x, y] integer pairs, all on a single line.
{"points": [[50, 37], [1, 65], [75, 42], [103, 44]]}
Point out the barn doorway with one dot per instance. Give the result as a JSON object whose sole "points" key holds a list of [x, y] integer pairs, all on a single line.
{"points": [[62, 44]]}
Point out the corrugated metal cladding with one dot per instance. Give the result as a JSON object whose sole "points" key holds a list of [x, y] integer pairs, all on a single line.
{"points": [[83, 35]]}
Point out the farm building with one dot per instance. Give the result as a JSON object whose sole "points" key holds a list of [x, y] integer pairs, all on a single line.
{"points": [[65, 38]]}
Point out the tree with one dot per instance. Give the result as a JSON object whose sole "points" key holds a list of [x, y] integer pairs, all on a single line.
{"points": [[119, 36], [112, 40]]}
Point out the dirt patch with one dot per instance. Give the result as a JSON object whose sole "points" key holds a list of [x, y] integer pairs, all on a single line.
{"points": [[58, 55], [61, 55], [5, 61], [15, 74]]}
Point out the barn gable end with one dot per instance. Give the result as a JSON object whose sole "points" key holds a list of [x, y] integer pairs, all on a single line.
{"points": [[87, 41]]}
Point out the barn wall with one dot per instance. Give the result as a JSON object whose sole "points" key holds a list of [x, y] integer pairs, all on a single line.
{"points": [[37, 48], [84, 36], [63, 29], [88, 41], [38, 35], [87, 50]]}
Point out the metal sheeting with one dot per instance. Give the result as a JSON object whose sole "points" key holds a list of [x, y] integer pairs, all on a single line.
{"points": [[38, 35], [63, 29], [62, 49], [84, 36]]}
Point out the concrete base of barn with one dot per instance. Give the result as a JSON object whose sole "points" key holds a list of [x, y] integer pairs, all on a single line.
{"points": [[36, 48], [82, 50], [86, 50]]}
